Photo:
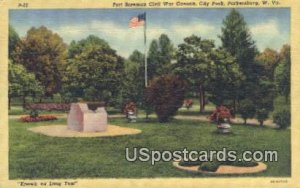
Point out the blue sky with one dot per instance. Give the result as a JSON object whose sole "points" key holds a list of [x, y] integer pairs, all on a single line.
{"points": [[270, 27]]}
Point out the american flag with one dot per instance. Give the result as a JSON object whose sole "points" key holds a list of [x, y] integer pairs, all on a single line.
{"points": [[137, 20]]}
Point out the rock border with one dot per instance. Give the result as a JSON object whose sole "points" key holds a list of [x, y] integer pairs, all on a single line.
{"points": [[224, 169], [63, 131]]}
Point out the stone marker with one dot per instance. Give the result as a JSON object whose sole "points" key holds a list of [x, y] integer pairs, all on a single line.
{"points": [[224, 127], [81, 118]]}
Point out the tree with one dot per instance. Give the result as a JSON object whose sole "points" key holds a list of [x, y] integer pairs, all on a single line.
{"points": [[94, 70], [42, 52], [193, 64], [22, 83], [265, 93], [166, 54], [282, 117], [153, 59], [262, 115], [283, 73], [236, 39], [13, 40], [247, 109], [165, 94], [269, 60], [160, 54], [225, 78], [133, 83]]}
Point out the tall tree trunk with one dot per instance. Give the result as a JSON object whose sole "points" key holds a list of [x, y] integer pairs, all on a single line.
{"points": [[204, 102], [261, 123], [201, 98], [234, 107]]}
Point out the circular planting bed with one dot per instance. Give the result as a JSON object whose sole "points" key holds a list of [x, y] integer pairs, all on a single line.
{"points": [[219, 168], [63, 131]]}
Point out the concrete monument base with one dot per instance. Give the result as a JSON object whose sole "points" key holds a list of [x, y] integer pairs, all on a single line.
{"points": [[81, 118]]}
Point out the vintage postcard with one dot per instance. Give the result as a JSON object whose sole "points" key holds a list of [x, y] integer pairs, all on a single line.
{"points": [[163, 93]]}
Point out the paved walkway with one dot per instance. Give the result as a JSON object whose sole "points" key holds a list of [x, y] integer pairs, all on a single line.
{"points": [[268, 122], [237, 120]]}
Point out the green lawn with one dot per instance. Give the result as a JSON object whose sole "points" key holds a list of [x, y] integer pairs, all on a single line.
{"points": [[37, 156]]}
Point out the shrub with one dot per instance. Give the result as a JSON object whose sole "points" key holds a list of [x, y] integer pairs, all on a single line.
{"points": [[247, 109], [49, 106], [38, 118], [165, 94], [262, 115], [242, 163], [210, 166], [282, 118], [190, 163], [213, 166], [220, 114]]}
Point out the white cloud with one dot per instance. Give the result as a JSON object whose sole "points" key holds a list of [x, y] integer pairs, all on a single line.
{"points": [[125, 39], [269, 27], [269, 35], [178, 31]]}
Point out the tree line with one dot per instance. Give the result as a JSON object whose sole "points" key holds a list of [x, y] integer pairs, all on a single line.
{"points": [[234, 74]]}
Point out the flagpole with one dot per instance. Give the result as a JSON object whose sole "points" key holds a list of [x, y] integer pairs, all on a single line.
{"points": [[145, 52]]}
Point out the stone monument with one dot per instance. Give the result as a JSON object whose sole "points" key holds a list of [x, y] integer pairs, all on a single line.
{"points": [[224, 127], [81, 118]]}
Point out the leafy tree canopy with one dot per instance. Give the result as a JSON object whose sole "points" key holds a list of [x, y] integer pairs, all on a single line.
{"points": [[283, 72], [94, 70], [165, 94], [268, 59], [13, 40], [43, 52], [160, 54], [22, 83], [236, 39]]}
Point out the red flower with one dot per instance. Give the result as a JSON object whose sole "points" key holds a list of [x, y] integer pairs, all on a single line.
{"points": [[37, 119], [131, 106], [220, 114], [188, 103]]}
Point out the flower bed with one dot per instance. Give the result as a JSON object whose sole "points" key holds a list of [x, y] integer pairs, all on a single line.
{"points": [[218, 167], [38, 118], [212, 166]]}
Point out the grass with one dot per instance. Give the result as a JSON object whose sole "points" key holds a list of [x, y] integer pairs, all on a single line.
{"points": [[35, 156]]}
